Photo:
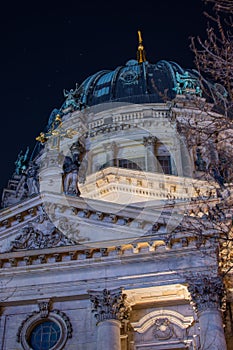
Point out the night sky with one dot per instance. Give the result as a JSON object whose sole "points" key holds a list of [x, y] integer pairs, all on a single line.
{"points": [[48, 47]]}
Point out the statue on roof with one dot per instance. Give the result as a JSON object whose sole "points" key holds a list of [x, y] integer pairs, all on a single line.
{"points": [[186, 84], [71, 168], [72, 102], [32, 180], [71, 93], [21, 162]]}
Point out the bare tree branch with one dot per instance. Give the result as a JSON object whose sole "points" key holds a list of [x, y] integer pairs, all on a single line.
{"points": [[222, 5]]}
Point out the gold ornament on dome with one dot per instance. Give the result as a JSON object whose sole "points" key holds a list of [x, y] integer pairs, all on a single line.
{"points": [[56, 133]]}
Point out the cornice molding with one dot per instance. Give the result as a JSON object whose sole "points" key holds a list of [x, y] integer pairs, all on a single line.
{"points": [[66, 255]]}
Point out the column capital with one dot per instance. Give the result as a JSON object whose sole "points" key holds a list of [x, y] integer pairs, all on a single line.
{"points": [[207, 292], [109, 304], [149, 140]]}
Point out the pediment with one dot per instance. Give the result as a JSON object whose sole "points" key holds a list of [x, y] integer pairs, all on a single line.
{"points": [[30, 229], [31, 238], [51, 220]]}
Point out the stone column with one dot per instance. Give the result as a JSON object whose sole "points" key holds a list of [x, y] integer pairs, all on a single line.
{"points": [[109, 307], [111, 150], [207, 294], [151, 161]]}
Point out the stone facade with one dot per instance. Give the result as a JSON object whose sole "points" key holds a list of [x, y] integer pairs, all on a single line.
{"points": [[117, 258]]}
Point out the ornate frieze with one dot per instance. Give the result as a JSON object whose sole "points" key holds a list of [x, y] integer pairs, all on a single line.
{"points": [[37, 213], [163, 329], [109, 304], [70, 228], [29, 238], [40, 233], [206, 292]]}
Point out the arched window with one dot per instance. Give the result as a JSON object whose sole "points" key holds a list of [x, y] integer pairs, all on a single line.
{"points": [[164, 158], [165, 163]]}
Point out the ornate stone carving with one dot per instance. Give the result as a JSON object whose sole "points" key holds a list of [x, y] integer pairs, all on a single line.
{"points": [[42, 219], [206, 292], [35, 239], [163, 329], [41, 233], [155, 228], [71, 229], [44, 307], [34, 318], [66, 320], [149, 141], [109, 304]]}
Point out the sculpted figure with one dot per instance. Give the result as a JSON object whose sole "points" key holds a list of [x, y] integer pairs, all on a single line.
{"points": [[70, 181], [185, 83], [70, 101], [71, 167], [21, 162], [32, 180]]}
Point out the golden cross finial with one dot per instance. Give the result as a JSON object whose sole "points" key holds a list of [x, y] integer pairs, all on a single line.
{"points": [[141, 55], [56, 133], [139, 36]]}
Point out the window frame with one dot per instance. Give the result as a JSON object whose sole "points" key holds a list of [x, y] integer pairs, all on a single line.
{"points": [[35, 320]]}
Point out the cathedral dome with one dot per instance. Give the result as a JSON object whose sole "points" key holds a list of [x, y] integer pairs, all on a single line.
{"points": [[138, 81], [135, 82]]}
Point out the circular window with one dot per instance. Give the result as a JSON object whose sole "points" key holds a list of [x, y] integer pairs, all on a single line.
{"points": [[44, 335], [50, 333]]}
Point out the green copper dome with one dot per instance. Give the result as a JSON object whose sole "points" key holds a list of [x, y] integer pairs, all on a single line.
{"points": [[134, 83]]}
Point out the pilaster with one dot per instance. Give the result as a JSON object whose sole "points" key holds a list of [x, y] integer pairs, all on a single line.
{"points": [[207, 294], [109, 308], [151, 162]]}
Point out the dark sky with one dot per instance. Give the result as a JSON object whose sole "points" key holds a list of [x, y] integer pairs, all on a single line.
{"points": [[46, 47]]}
